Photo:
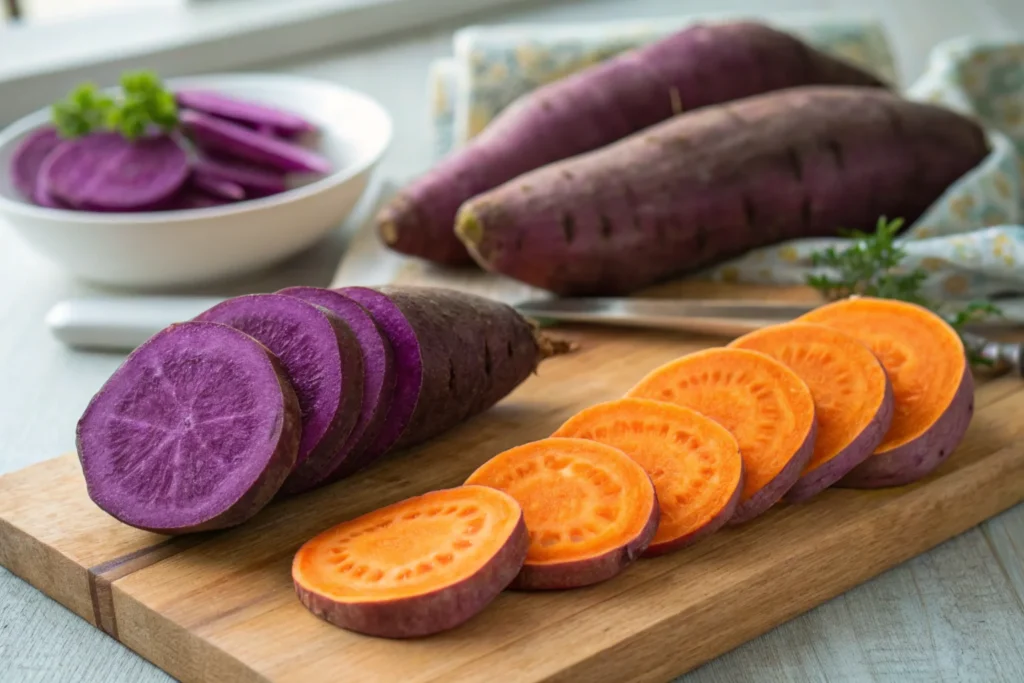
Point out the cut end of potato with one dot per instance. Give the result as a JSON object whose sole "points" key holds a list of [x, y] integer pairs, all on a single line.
{"points": [[388, 230], [468, 227]]}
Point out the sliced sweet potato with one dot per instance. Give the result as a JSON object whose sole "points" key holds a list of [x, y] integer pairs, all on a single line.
{"points": [[590, 509], [694, 462], [852, 395], [933, 389], [765, 405], [414, 568], [28, 159]]}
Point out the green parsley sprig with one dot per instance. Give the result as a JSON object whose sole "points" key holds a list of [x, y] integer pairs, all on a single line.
{"points": [[144, 104], [872, 265]]}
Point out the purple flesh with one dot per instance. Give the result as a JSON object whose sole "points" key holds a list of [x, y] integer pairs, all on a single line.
{"points": [[28, 159], [43, 196], [196, 430], [106, 172], [266, 120], [255, 179], [828, 473], [218, 187], [232, 139], [586, 572], [408, 366], [918, 458], [774, 490], [193, 198], [321, 358], [378, 384]]}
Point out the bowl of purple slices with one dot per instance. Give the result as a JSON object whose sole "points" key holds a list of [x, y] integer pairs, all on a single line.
{"points": [[158, 184]]}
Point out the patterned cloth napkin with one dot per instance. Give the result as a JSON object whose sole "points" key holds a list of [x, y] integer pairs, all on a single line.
{"points": [[970, 241]]}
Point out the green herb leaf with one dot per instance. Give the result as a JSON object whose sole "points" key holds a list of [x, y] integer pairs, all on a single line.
{"points": [[84, 110], [144, 104]]}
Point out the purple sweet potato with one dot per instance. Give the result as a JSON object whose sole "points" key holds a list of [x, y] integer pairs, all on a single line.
{"points": [[456, 355], [322, 360], [256, 180], [266, 120], [853, 401], [218, 187], [438, 570], [378, 385], [590, 508], [932, 386], [196, 430], [712, 184], [106, 172], [224, 137], [696, 67], [28, 159]]}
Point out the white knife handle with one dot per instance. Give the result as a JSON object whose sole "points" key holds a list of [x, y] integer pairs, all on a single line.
{"points": [[117, 324]]}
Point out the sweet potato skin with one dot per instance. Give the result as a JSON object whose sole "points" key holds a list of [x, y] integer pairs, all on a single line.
{"points": [[847, 460], [919, 458], [709, 185], [773, 492], [714, 524], [564, 575], [430, 613], [699, 66]]}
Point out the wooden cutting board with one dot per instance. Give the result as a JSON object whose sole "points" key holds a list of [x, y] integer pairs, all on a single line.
{"points": [[220, 606]]}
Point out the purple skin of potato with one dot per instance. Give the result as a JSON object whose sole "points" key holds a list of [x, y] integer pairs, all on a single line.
{"points": [[106, 172], [235, 140], [378, 383], [580, 573], [702, 65], [256, 180], [198, 404], [773, 492], [863, 445], [919, 458], [267, 120], [28, 158], [322, 360], [429, 613], [714, 524]]}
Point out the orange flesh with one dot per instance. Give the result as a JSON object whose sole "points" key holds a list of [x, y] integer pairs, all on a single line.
{"points": [[762, 402], [694, 462], [580, 498], [922, 355], [413, 547], [846, 380]]}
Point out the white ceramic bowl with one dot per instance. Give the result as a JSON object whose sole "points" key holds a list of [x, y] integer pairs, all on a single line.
{"points": [[155, 250]]}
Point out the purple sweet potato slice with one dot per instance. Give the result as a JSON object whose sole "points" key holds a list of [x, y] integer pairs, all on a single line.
{"points": [[590, 508], [378, 385], [257, 181], [322, 360], [712, 184], [267, 120], [765, 405], [932, 386], [28, 159], [225, 137], [219, 187], [456, 355], [449, 553], [853, 399], [106, 172], [197, 430]]}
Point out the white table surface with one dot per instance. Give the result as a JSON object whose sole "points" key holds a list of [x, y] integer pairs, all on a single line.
{"points": [[953, 614]]}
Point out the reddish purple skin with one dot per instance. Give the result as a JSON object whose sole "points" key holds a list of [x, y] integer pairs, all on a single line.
{"points": [[919, 458], [580, 573], [106, 172], [237, 141], [704, 64], [378, 385], [28, 159], [429, 613], [713, 525], [859, 450], [267, 120], [322, 360], [256, 180], [773, 492], [218, 187], [236, 416]]}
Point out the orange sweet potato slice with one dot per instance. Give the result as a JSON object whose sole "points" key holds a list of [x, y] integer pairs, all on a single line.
{"points": [[590, 509], [694, 462], [762, 402], [414, 568], [933, 389], [852, 396]]}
